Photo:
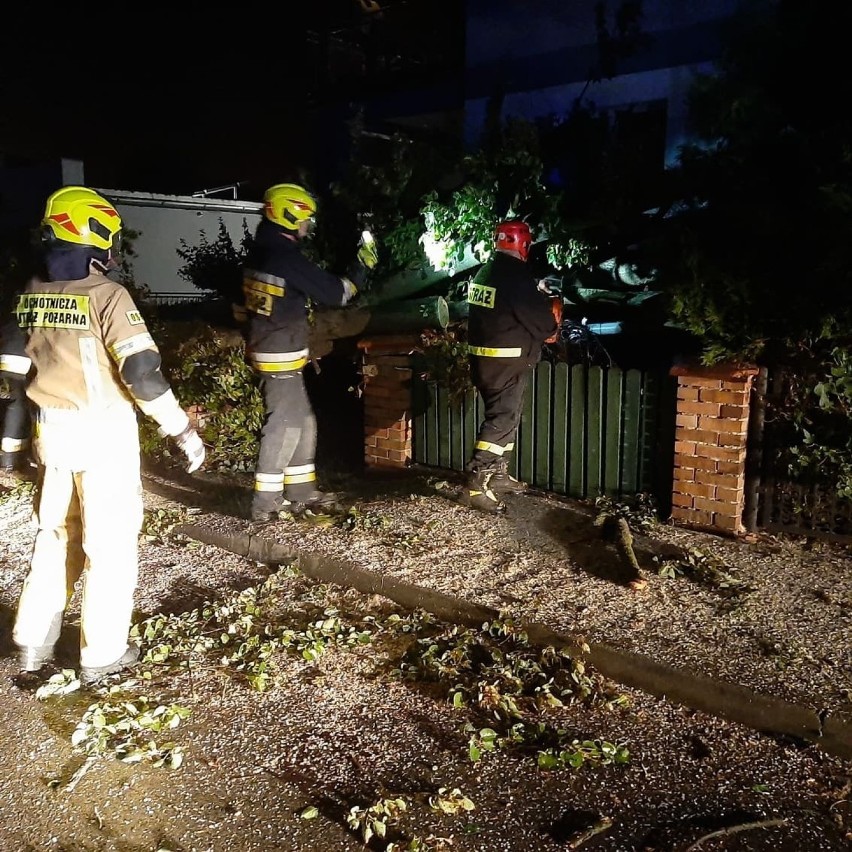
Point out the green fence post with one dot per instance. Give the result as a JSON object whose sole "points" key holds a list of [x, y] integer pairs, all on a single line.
{"points": [[613, 438], [577, 464], [560, 436]]}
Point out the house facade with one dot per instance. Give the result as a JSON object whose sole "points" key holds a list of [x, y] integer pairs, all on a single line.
{"points": [[531, 60], [162, 224]]}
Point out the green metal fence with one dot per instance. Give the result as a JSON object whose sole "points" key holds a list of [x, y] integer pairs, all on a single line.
{"points": [[584, 432]]}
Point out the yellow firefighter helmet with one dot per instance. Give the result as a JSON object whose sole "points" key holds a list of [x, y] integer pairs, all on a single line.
{"points": [[288, 205], [78, 215]]}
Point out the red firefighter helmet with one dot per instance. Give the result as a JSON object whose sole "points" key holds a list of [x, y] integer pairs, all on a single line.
{"points": [[513, 238]]}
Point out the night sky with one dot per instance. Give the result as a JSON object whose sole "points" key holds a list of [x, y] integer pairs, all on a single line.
{"points": [[165, 115], [181, 100]]}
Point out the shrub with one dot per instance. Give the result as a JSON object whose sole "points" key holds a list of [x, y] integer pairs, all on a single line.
{"points": [[209, 371], [216, 265], [816, 410]]}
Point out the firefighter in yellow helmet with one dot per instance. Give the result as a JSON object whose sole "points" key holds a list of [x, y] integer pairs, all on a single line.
{"points": [[509, 319], [88, 362], [278, 283]]}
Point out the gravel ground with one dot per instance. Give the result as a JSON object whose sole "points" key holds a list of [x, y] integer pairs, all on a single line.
{"points": [[342, 731]]}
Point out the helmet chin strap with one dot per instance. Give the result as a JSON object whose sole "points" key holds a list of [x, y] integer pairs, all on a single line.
{"points": [[104, 266]]}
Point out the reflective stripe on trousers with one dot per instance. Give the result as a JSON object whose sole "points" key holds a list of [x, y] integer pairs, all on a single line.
{"points": [[279, 362], [288, 438], [502, 391], [88, 528]]}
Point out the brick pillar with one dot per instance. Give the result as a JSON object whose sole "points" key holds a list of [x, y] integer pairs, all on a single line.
{"points": [[387, 372], [710, 446]]}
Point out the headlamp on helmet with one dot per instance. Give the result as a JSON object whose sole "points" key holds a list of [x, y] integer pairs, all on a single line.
{"points": [[513, 238], [288, 205], [78, 215]]}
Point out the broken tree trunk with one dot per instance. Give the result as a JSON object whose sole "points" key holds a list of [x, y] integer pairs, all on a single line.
{"points": [[406, 283], [330, 324], [719, 698], [615, 528]]}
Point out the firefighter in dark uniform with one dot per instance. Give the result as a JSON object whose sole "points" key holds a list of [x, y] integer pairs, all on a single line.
{"points": [[87, 362], [509, 319], [278, 283], [17, 422]]}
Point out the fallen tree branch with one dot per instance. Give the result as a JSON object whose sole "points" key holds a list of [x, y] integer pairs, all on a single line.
{"points": [[734, 829], [75, 779], [616, 528], [719, 698]]}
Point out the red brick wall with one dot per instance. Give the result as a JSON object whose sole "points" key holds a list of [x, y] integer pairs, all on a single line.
{"points": [[387, 374], [708, 490]]}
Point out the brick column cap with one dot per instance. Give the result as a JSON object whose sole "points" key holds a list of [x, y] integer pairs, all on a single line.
{"points": [[715, 371]]}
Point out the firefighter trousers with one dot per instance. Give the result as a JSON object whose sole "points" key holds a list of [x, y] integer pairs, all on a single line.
{"points": [[502, 386], [88, 522], [288, 440]]}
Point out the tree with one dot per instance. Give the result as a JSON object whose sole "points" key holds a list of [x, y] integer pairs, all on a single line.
{"points": [[216, 266], [759, 257]]}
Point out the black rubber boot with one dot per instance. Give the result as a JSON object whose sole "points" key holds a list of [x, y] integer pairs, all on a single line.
{"points": [[92, 674], [503, 482], [317, 502], [265, 506], [479, 495]]}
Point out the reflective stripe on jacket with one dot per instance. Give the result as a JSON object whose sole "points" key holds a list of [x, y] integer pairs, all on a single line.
{"points": [[496, 351], [278, 284], [508, 317]]}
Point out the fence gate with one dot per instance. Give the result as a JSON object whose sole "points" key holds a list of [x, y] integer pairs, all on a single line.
{"points": [[780, 503], [585, 431]]}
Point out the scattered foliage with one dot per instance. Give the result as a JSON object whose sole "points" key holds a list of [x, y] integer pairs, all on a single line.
{"points": [[445, 361], [23, 489], [375, 819], [703, 567], [640, 510], [451, 801], [497, 677], [158, 524], [124, 728]]}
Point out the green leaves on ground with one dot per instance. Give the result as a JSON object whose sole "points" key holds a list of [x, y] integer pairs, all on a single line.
{"points": [[124, 727]]}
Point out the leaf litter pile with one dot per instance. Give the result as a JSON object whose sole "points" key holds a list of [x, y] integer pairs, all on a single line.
{"points": [[271, 711]]}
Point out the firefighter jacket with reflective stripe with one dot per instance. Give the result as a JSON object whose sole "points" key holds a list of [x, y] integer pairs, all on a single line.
{"points": [[14, 363], [278, 282], [76, 336], [508, 316]]}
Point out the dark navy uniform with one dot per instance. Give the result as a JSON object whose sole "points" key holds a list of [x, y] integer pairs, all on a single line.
{"points": [[509, 319], [17, 419], [278, 283]]}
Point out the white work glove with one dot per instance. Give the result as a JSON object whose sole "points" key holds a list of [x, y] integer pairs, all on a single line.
{"points": [[190, 444], [350, 291]]}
